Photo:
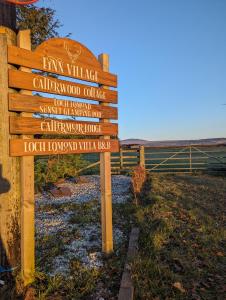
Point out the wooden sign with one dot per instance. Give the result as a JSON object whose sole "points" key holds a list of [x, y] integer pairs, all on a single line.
{"points": [[23, 125], [46, 84], [69, 59], [64, 57], [23, 147], [26, 103]]}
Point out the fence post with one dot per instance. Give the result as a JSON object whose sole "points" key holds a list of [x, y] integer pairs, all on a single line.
{"points": [[142, 156], [190, 159], [105, 181], [121, 158]]}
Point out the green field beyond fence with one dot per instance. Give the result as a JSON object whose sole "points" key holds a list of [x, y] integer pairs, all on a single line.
{"points": [[165, 159]]}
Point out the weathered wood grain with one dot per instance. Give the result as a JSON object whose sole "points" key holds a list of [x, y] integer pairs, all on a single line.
{"points": [[46, 84], [20, 125], [9, 168], [27, 189], [21, 147], [25, 103], [105, 181], [64, 57]]}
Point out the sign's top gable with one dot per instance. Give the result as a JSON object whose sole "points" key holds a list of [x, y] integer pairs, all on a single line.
{"points": [[69, 51]]}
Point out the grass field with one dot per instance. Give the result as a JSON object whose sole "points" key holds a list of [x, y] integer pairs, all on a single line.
{"points": [[182, 241]]}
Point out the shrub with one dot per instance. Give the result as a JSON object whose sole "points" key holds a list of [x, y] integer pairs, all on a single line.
{"points": [[60, 166]]}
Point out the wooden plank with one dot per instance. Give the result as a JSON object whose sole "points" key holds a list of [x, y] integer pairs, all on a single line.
{"points": [[168, 158], [18, 102], [177, 164], [186, 146], [135, 151], [22, 147], [166, 152], [105, 182], [20, 125], [46, 84], [126, 291], [53, 56], [27, 189]]}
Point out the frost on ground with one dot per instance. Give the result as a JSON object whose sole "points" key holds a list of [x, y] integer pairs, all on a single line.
{"points": [[89, 189], [73, 224]]}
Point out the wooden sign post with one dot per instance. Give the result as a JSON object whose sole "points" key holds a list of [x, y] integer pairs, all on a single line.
{"points": [[105, 182], [9, 168], [27, 189], [65, 58]]}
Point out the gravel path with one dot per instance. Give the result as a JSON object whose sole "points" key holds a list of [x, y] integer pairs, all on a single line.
{"points": [[86, 246]]}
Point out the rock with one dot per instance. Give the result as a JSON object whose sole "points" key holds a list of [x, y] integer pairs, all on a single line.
{"points": [[60, 181], [82, 180], [61, 192], [66, 191], [49, 186], [73, 179], [55, 192]]}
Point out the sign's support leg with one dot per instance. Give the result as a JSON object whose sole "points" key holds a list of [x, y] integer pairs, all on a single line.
{"points": [[9, 166], [105, 182], [27, 190]]}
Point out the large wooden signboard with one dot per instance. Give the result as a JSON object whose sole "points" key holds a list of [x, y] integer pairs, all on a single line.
{"points": [[59, 67], [69, 59]]}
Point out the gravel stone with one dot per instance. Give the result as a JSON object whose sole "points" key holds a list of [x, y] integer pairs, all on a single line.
{"points": [[87, 246]]}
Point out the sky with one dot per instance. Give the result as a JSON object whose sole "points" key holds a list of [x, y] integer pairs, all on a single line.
{"points": [[170, 58]]}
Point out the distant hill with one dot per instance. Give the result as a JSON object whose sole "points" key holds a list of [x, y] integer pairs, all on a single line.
{"points": [[139, 142]]}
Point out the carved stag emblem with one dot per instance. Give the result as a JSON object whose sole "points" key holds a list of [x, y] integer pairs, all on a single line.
{"points": [[72, 55]]}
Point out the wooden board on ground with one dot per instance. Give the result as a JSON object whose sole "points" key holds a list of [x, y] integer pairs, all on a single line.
{"points": [[23, 125], [26, 103], [22, 147], [64, 57], [46, 84]]}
